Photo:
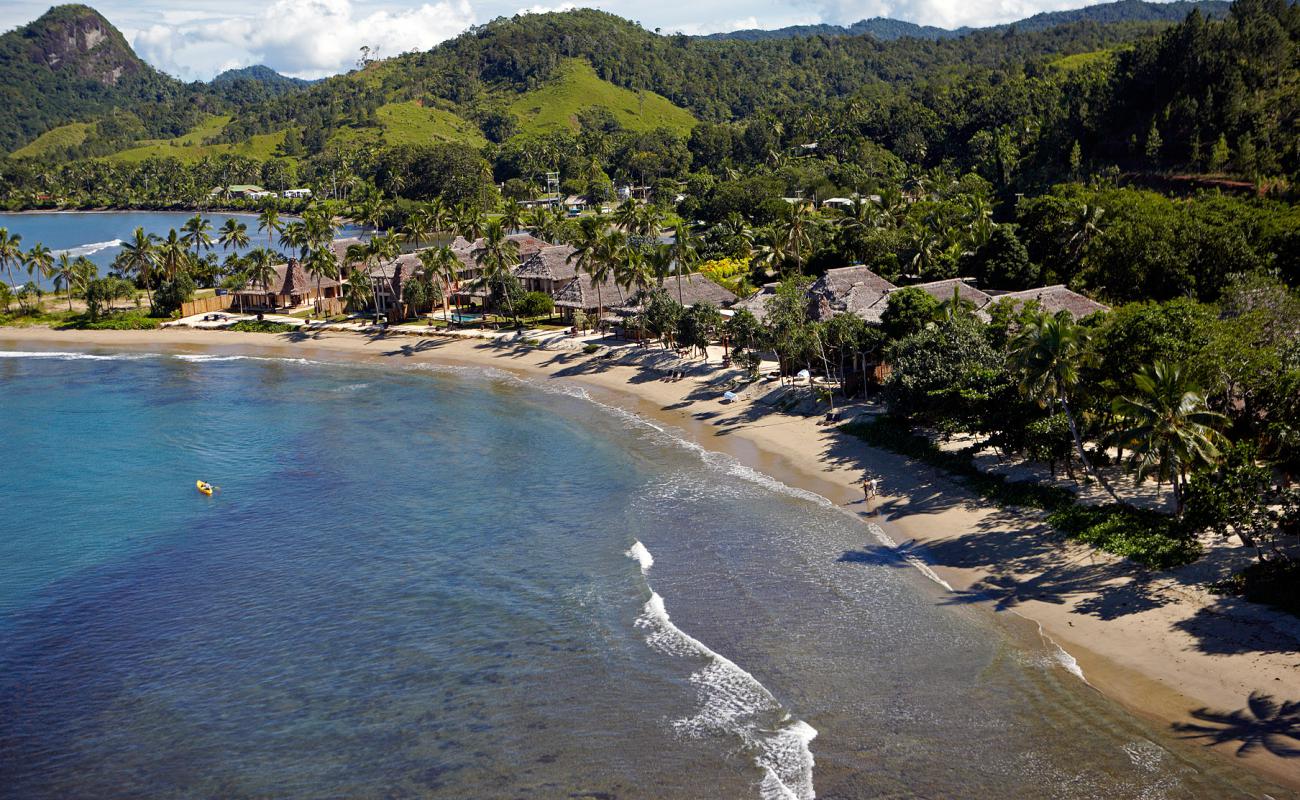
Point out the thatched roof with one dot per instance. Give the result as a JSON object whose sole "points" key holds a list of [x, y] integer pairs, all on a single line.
{"points": [[1053, 299], [756, 303], [550, 263], [581, 293], [695, 288], [942, 291], [852, 289], [528, 244], [290, 278]]}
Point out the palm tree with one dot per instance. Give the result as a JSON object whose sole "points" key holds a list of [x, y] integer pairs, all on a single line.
{"points": [[631, 271], [1084, 227], [660, 260], [196, 234], [39, 260], [11, 253], [383, 250], [1170, 432], [686, 252], [295, 239], [796, 228], [173, 255], [358, 293], [420, 225], [440, 266], [512, 215], [261, 268], [320, 263], [233, 235], [469, 222], [83, 272], [1047, 353], [62, 274], [497, 259], [770, 253], [139, 257], [269, 222]]}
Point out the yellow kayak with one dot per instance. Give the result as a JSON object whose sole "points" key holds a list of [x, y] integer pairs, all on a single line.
{"points": [[206, 488]]}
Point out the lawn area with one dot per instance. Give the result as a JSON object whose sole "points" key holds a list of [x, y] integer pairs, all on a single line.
{"points": [[412, 123], [190, 146], [70, 135], [576, 86]]}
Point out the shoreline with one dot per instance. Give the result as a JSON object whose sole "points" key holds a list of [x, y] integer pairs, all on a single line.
{"points": [[1159, 647]]}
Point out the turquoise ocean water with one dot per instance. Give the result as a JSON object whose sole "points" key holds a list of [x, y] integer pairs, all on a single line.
{"points": [[98, 235], [454, 584]]}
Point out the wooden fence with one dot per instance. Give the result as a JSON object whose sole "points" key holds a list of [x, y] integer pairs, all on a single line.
{"points": [[206, 305]]}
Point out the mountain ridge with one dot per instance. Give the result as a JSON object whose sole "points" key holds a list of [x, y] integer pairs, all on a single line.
{"points": [[889, 29]]}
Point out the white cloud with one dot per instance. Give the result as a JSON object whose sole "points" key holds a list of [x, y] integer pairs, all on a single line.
{"points": [[941, 13], [303, 38], [541, 9]]}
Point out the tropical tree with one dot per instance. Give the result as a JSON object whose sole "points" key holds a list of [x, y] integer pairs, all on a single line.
{"points": [[497, 259], [320, 264], [233, 235], [796, 232], [420, 225], [469, 222], [11, 252], [261, 268], [441, 267], [383, 251], [686, 252], [295, 238], [139, 258], [1048, 354], [268, 222], [39, 260], [1083, 227], [61, 272], [173, 255], [1169, 431], [196, 233], [512, 215]]}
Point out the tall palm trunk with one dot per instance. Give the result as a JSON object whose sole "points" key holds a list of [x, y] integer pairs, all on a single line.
{"points": [[1083, 456]]}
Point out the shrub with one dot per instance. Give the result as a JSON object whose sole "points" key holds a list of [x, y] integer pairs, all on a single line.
{"points": [[128, 321], [590, 348], [262, 326], [169, 295], [1275, 582], [1146, 537]]}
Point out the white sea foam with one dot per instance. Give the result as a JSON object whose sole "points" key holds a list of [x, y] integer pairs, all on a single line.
{"points": [[642, 556], [911, 559], [734, 703], [64, 356], [87, 249], [1062, 657], [208, 358]]}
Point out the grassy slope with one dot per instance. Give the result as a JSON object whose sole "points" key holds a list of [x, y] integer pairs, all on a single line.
{"points": [[1081, 60], [190, 147], [577, 86], [70, 135], [411, 123]]}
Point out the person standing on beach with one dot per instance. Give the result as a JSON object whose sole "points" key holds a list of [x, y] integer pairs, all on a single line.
{"points": [[868, 488]]}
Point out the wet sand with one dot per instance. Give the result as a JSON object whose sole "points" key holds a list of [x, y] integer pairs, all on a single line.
{"points": [[1159, 644]]}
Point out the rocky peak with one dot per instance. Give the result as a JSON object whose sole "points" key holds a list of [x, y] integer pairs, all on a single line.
{"points": [[77, 38]]}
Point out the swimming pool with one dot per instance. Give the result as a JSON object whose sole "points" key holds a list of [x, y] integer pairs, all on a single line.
{"points": [[463, 318]]}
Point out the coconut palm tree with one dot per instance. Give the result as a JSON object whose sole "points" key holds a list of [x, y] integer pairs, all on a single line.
{"points": [[441, 266], [383, 250], [1169, 430], [660, 260], [268, 222], [61, 272], [631, 269], [512, 215], [11, 252], [686, 252], [357, 293], [39, 261], [196, 233], [1084, 227], [469, 222], [320, 264], [83, 273], [139, 258], [1048, 354], [497, 259], [173, 255], [420, 225], [233, 235], [295, 239], [796, 227], [261, 268]]}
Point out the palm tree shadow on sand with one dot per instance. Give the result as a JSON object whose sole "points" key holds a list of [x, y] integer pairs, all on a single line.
{"points": [[1264, 723]]}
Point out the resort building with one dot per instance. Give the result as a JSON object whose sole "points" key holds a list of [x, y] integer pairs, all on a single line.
{"points": [[1053, 300], [856, 290], [580, 294], [290, 287], [297, 194], [548, 270]]}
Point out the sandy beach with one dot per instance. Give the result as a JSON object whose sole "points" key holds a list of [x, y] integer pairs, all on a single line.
{"points": [[1158, 643]]}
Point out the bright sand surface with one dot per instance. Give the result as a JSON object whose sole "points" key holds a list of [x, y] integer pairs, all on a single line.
{"points": [[1157, 643]]}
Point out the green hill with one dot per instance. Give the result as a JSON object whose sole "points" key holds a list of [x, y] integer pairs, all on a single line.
{"points": [[575, 87], [413, 123], [194, 144], [55, 140]]}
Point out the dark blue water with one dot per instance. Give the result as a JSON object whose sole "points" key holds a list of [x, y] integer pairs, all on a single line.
{"points": [[420, 583], [98, 235]]}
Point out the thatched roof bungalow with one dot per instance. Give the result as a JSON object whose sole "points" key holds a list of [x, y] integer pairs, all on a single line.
{"points": [[548, 270], [848, 289], [291, 286], [1053, 299]]}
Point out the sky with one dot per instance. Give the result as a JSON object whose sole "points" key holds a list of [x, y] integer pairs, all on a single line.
{"points": [[196, 39]]}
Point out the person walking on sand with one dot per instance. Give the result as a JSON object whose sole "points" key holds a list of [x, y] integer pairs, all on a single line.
{"points": [[868, 488]]}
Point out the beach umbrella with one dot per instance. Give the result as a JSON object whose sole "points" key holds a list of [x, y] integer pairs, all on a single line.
{"points": [[730, 396]]}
